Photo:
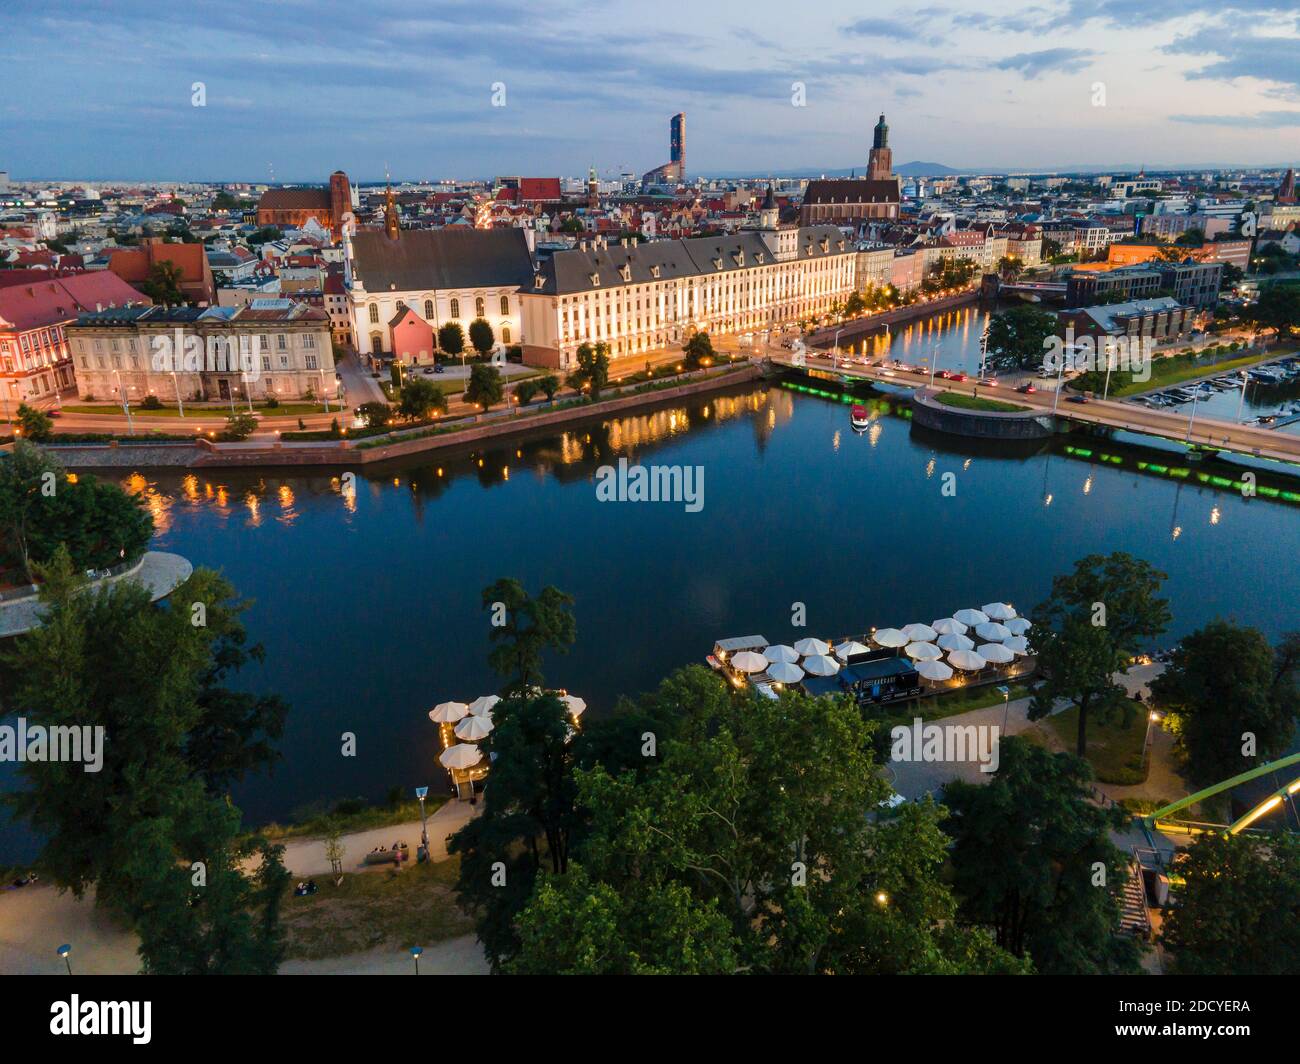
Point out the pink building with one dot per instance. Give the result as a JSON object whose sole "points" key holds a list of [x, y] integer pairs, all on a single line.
{"points": [[412, 337]]}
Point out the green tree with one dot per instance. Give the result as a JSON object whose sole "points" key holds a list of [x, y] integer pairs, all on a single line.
{"points": [[1021, 332], [550, 385], [697, 350], [1278, 308], [451, 338], [375, 414], [239, 426], [1237, 912], [592, 372], [1088, 629], [34, 424], [481, 337], [154, 678], [420, 397], [485, 387], [523, 627], [1224, 681], [163, 284], [1010, 268], [1029, 846], [525, 390], [854, 304]]}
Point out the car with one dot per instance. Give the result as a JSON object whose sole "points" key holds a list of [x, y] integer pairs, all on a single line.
{"points": [[945, 374], [989, 382], [1076, 399], [1027, 388], [439, 368], [959, 377]]}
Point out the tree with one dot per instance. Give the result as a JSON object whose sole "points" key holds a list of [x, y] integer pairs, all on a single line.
{"points": [[525, 390], [485, 386], [239, 426], [1033, 861], [1225, 681], [375, 414], [1278, 308], [1010, 267], [41, 509], [1088, 630], [854, 304], [419, 397], [1021, 333], [549, 384], [523, 627], [1193, 237], [527, 820], [163, 284], [152, 677], [334, 850], [698, 349], [34, 424], [451, 338], [592, 373], [1237, 912], [481, 337]]}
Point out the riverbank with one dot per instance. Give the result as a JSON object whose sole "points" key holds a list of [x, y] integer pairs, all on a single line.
{"points": [[201, 453]]}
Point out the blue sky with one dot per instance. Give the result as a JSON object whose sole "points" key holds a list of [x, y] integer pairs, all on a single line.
{"points": [[102, 90]]}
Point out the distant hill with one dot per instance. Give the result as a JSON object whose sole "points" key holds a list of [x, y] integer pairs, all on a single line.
{"points": [[926, 170]]}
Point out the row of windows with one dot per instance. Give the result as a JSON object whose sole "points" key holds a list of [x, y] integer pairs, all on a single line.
{"points": [[480, 308]]}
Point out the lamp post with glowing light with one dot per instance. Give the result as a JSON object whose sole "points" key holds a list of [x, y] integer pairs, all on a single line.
{"points": [[415, 955], [1152, 717], [421, 793], [65, 951]]}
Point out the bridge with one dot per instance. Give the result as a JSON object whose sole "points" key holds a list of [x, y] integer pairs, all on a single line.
{"points": [[1159, 820], [1205, 433]]}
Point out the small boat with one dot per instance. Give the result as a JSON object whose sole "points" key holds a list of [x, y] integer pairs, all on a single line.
{"points": [[859, 416]]}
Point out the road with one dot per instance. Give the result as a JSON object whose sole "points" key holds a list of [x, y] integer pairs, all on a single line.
{"points": [[1243, 439]]}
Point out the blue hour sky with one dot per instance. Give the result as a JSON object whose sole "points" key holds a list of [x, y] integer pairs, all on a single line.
{"points": [[102, 90]]}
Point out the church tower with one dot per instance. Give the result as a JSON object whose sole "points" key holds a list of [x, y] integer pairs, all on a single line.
{"points": [[769, 213], [593, 190], [880, 163], [391, 224]]}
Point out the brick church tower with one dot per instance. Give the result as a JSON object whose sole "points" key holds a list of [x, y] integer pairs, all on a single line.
{"points": [[880, 163], [340, 200]]}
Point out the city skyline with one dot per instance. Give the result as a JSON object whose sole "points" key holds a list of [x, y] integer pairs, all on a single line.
{"points": [[414, 93]]}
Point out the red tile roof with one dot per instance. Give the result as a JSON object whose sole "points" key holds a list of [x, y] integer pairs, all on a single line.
{"points": [[61, 299]]}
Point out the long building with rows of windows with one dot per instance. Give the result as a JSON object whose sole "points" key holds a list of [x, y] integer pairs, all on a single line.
{"points": [[271, 348], [643, 297]]}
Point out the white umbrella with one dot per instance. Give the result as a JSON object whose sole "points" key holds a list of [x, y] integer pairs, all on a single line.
{"points": [[785, 672], [948, 626], [748, 661], [577, 707], [919, 633], [482, 706], [448, 712], [1017, 625], [954, 641], [808, 647], [999, 611], [1018, 645], [966, 660], [923, 652], [992, 631], [890, 637], [473, 727], [462, 755], [969, 617], [934, 670], [995, 652], [781, 652], [820, 665], [849, 648]]}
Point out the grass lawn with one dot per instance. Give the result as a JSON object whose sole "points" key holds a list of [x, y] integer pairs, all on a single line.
{"points": [[974, 402], [1178, 368], [197, 410], [1114, 750], [372, 816], [383, 907]]}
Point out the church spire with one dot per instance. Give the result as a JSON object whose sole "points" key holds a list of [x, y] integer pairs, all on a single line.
{"points": [[392, 225]]}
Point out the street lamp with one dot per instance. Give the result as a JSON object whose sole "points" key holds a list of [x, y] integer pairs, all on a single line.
{"points": [[63, 951], [180, 407], [421, 793], [415, 954], [1241, 402], [126, 405], [1060, 383], [1191, 420]]}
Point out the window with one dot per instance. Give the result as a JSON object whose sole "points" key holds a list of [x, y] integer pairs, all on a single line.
{"points": [[266, 362], [455, 308], [308, 340], [311, 361], [505, 334], [284, 361], [374, 313], [281, 342], [505, 304], [479, 307], [428, 310]]}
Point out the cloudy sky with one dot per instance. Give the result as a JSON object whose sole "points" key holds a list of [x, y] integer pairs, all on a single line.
{"points": [[103, 89]]}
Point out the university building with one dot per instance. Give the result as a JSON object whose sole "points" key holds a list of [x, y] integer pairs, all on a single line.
{"points": [[643, 297], [446, 275], [271, 348]]}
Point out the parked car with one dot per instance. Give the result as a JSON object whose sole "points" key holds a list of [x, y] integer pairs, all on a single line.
{"points": [[438, 367]]}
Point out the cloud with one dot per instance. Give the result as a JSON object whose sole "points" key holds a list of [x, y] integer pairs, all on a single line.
{"points": [[1049, 61], [892, 29], [1262, 120], [1272, 59]]}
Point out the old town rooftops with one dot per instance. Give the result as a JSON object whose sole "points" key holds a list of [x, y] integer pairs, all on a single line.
{"points": [[430, 259], [259, 311], [614, 265]]}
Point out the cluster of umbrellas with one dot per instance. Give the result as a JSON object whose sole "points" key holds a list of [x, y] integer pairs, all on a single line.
{"points": [[996, 623], [786, 664], [473, 721]]}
